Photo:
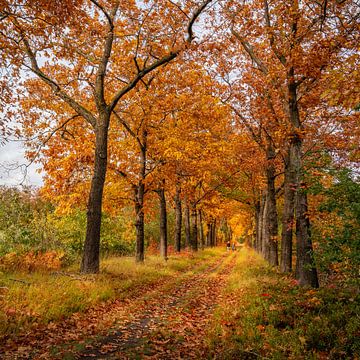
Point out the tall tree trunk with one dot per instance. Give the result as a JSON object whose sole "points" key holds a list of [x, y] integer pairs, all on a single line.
{"points": [[261, 222], [139, 202], [256, 230], [288, 213], [139, 221], [91, 256], [272, 216], [208, 234], [178, 219], [163, 223], [194, 231], [305, 269], [265, 229], [201, 230], [227, 231], [213, 234], [187, 225]]}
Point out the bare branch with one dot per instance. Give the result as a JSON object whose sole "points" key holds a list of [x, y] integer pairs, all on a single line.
{"points": [[323, 18], [128, 128], [215, 188], [43, 143], [178, 6], [140, 75], [155, 166], [137, 64], [3, 16], [256, 137]]}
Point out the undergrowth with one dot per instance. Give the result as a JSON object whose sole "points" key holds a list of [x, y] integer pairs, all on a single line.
{"points": [[31, 299], [268, 316]]}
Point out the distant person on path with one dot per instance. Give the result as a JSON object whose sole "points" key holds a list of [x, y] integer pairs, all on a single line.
{"points": [[233, 246], [228, 246]]}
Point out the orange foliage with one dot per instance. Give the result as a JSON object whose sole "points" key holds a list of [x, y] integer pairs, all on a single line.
{"points": [[31, 261]]}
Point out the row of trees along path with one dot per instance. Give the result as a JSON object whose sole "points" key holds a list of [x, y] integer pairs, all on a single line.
{"points": [[166, 321], [86, 82], [88, 75]]}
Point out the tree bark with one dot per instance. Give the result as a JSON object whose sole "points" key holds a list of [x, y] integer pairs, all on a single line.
{"points": [[201, 230], [271, 215], [139, 222], [265, 229], [261, 222], [288, 213], [187, 226], [194, 231], [139, 202], [208, 234], [91, 255], [256, 230], [213, 233], [163, 223], [178, 219], [306, 272]]}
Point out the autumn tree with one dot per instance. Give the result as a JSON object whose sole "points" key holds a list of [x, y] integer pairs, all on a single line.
{"points": [[196, 141], [291, 46], [173, 116], [89, 55], [163, 129]]}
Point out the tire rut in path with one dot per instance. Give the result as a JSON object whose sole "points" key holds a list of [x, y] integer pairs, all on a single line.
{"points": [[169, 326]]}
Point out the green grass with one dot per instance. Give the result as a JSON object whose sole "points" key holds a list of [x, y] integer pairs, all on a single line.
{"points": [[266, 315], [40, 297]]}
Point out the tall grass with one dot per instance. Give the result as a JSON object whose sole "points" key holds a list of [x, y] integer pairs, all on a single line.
{"points": [[30, 299], [266, 315]]}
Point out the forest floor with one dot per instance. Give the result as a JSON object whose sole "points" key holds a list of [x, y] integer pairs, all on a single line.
{"points": [[218, 305], [158, 319]]}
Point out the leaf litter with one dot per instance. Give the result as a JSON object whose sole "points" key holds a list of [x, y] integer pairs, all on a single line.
{"points": [[167, 321]]}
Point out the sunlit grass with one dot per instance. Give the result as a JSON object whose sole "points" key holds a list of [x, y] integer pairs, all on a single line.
{"points": [[266, 315], [29, 299]]}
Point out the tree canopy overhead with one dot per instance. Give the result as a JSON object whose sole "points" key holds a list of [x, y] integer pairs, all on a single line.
{"points": [[90, 55], [220, 108]]}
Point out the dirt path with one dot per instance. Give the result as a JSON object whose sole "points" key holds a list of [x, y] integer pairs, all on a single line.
{"points": [[168, 326], [167, 322]]}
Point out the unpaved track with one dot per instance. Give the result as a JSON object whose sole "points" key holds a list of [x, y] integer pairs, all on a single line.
{"points": [[167, 322], [169, 326]]}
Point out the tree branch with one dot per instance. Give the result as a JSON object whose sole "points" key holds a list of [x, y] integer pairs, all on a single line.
{"points": [[162, 61], [108, 17], [281, 57], [217, 186], [250, 50], [100, 76], [81, 110], [194, 17], [128, 128], [43, 143]]}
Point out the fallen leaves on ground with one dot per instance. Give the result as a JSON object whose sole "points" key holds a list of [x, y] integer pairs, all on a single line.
{"points": [[162, 321]]}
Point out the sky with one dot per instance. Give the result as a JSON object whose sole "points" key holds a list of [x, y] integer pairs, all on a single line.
{"points": [[13, 165]]}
